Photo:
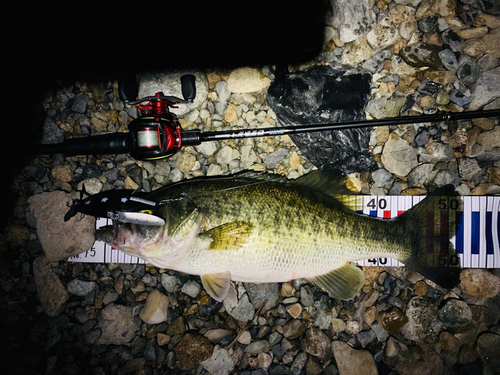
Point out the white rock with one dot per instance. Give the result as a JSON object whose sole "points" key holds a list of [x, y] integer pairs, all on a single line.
{"points": [[351, 19], [383, 35], [247, 79]]}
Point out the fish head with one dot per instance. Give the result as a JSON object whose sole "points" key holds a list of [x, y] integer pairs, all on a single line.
{"points": [[151, 243]]}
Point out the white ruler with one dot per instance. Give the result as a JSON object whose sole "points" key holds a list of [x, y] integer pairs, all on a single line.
{"points": [[476, 229]]}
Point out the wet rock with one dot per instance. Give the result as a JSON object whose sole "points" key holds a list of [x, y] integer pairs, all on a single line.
{"points": [[247, 79], [217, 335], [421, 175], [294, 329], [81, 288], [306, 296], [294, 310], [480, 46], [351, 361], [258, 293], [455, 313], [51, 292], [428, 24], [452, 40], [398, 156], [315, 343], [155, 309], [169, 282], [392, 320], [420, 55], [479, 283], [176, 326], [219, 363], [423, 324], [117, 325], [351, 20], [193, 349], [60, 239]]}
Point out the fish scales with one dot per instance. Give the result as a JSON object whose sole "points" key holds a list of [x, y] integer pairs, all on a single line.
{"points": [[296, 232], [267, 229]]}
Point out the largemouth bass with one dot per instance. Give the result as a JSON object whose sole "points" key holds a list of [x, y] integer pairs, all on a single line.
{"points": [[263, 228]]}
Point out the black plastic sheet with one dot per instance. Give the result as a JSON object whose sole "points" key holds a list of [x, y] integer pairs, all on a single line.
{"points": [[322, 95]]}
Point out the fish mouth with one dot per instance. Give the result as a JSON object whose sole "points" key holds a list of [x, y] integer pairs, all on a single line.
{"points": [[113, 235]]}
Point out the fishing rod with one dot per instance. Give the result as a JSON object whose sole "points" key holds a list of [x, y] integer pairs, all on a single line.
{"points": [[157, 133]]}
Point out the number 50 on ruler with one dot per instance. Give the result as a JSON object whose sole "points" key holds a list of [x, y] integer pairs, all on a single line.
{"points": [[474, 230]]}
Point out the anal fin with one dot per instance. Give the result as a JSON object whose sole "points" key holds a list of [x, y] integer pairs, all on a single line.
{"points": [[342, 283], [219, 286]]}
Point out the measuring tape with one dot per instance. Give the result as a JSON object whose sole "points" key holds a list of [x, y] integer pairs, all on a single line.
{"points": [[475, 229]]}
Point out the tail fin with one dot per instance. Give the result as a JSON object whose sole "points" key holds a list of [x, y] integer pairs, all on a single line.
{"points": [[428, 226]]}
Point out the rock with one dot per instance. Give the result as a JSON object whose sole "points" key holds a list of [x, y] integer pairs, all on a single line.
{"points": [[468, 168], [257, 347], [394, 105], [16, 234], [446, 177], [475, 32], [193, 349], [275, 157], [423, 324], [382, 178], [117, 325], [438, 151], [487, 348], [487, 44], [155, 309], [247, 157], [383, 35], [217, 335], [420, 55], [247, 79], [219, 363], [487, 89], [448, 59], [186, 162], [91, 185], [59, 239], [294, 329], [191, 288], [413, 360], [80, 104], [207, 148], [479, 283], [298, 363], [316, 343], [294, 310], [398, 156], [225, 155], [306, 296], [452, 40], [62, 173], [258, 293], [468, 74], [421, 175], [169, 82], [243, 311], [351, 20], [81, 288], [51, 292], [358, 51], [169, 282], [365, 338], [351, 361], [392, 320], [176, 326], [455, 313]]}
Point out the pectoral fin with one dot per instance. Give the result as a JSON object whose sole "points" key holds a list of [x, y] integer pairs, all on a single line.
{"points": [[230, 236], [343, 283], [219, 286]]}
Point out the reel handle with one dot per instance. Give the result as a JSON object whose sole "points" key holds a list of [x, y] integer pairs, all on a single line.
{"points": [[188, 83], [128, 87]]}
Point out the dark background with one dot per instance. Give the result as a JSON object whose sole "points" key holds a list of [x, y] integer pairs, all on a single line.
{"points": [[95, 41]]}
